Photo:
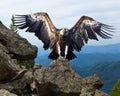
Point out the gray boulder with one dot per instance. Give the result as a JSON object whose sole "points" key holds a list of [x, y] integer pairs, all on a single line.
{"points": [[60, 79], [18, 47], [8, 67], [14, 50], [4, 92]]}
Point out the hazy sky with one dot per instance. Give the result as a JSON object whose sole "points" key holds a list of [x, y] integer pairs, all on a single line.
{"points": [[65, 13]]}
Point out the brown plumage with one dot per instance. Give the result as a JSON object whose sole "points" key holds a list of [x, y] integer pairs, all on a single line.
{"points": [[63, 41]]}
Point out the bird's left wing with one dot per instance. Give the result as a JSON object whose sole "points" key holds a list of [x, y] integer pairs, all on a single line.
{"points": [[40, 24], [88, 28]]}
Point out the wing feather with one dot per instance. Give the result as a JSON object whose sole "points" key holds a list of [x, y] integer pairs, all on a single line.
{"points": [[40, 24], [88, 28]]}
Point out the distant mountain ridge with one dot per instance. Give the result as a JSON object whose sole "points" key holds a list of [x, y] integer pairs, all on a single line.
{"points": [[108, 71], [112, 48], [90, 59]]}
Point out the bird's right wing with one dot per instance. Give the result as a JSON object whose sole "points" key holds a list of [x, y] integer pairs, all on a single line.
{"points": [[40, 24], [87, 28]]}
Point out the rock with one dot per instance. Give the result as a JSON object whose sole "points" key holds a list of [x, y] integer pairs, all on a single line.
{"points": [[14, 50], [60, 79], [87, 91], [8, 67], [4, 92], [37, 66], [19, 75], [19, 47], [57, 79], [20, 86], [100, 93], [94, 81]]}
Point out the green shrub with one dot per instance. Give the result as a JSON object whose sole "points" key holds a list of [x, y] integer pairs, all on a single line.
{"points": [[116, 89], [13, 28], [25, 64]]}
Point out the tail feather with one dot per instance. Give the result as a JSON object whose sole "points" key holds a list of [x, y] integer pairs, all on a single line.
{"points": [[53, 55], [70, 55]]}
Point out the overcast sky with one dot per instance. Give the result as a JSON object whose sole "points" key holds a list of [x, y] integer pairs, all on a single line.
{"points": [[65, 13]]}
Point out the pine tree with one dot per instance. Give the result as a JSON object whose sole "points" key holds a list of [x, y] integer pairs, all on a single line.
{"points": [[12, 25], [116, 89]]}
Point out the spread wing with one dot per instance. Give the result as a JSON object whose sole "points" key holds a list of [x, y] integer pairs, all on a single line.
{"points": [[40, 24], [87, 28]]}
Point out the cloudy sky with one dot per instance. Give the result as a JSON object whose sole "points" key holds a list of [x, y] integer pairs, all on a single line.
{"points": [[65, 13]]}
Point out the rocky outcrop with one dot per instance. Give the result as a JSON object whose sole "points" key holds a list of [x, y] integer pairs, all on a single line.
{"points": [[13, 51], [8, 66], [60, 79], [15, 45], [4, 92], [57, 79]]}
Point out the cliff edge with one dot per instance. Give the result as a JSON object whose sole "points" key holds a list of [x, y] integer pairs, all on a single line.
{"points": [[57, 79]]}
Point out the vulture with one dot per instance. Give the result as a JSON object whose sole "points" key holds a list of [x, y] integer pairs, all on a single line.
{"points": [[63, 41]]}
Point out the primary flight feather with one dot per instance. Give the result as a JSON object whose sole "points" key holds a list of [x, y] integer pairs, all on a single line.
{"points": [[63, 41]]}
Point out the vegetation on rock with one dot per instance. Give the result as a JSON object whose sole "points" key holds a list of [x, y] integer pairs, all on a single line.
{"points": [[116, 89], [12, 25]]}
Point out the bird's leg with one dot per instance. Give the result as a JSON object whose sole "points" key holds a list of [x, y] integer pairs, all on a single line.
{"points": [[66, 50], [59, 52]]}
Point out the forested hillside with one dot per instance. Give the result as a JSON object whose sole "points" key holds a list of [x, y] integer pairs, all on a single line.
{"points": [[108, 71], [116, 89]]}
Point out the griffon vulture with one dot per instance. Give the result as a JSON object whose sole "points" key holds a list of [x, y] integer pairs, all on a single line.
{"points": [[63, 41]]}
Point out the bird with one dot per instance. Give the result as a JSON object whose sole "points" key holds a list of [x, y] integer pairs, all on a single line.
{"points": [[63, 41]]}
